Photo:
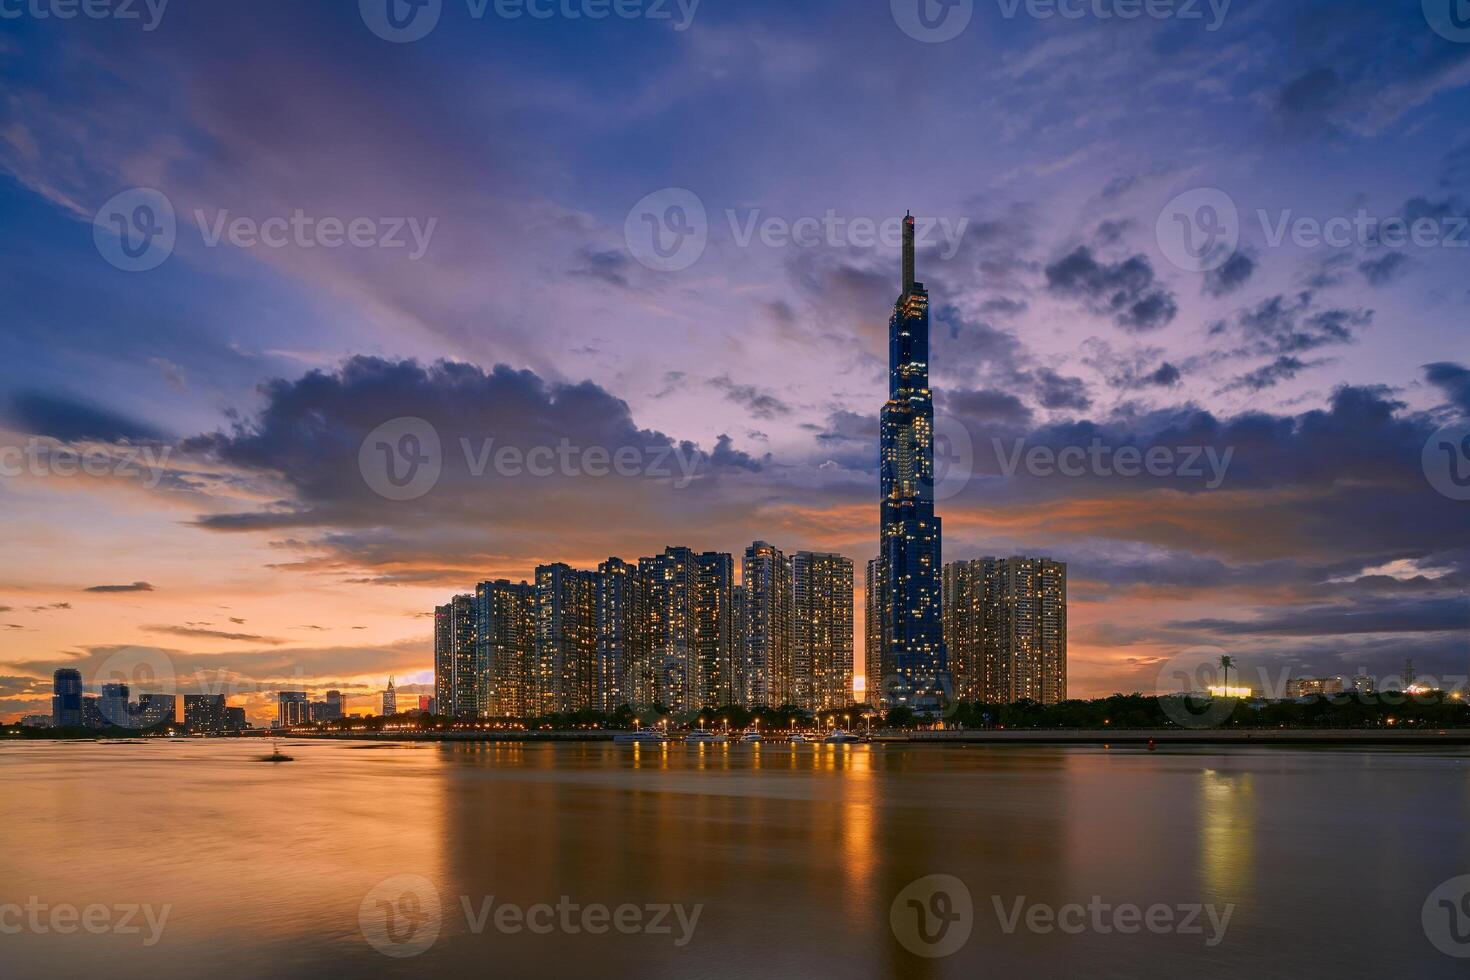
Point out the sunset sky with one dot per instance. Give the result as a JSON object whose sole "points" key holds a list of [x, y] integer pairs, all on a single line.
{"points": [[258, 556]]}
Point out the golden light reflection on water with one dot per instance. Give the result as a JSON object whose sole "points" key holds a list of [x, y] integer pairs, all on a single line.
{"points": [[1227, 831]]}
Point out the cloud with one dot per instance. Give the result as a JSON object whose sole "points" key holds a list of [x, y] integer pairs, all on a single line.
{"points": [[1453, 379], [1429, 615], [605, 265], [204, 634], [1284, 368], [1293, 325], [1231, 276], [1384, 269], [1126, 290], [761, 404], [70, 420], [135, 587]]}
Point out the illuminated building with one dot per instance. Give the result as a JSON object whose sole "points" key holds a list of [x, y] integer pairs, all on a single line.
{"points": [[390, 699], [564, 668], [914, 666], [292, 708], [741, 652], [336, 707], [822, 632], [66, 698], [235, 720], [1005, 622], [622, 635], [505, 634], [671, 581], [872, 638], [714, 630], [205, 713], [156, 709], [461, 677], [1305, 687], [114, 704], [1364, 684], [770, 612]]}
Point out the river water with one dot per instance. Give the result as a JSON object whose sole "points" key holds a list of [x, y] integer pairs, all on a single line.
{"points": [[191, 858]]}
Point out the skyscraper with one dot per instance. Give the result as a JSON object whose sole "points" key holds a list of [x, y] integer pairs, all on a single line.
{"points": [[505, 632], [672, 583], [714, 629], [914, 665], [336, 706], [205, 713], [292, 708], [1006, 621], [114, 705], [461, 677], [564, 675], [66, 698], [872, 637], [622, 648], [821, 658], [741, 653], [390, 699], [770, 611]]}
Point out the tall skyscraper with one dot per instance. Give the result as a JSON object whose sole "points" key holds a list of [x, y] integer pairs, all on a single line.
{"points": [[714, 630], [1006, 621], [914, 665], [622, 634], [114, 705], [156, 709], [672, 583], [872, 637], [205, 713], [461, 675], [741, 653], [505, 632], [770, 611], [821, 657], [564, 675], [336, 706], [292, 708], [390, 699], [66, 698]]}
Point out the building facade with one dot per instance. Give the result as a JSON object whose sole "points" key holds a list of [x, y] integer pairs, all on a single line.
{"points": [[623, 675], [1006, 619], [714, 630], [770, 613], [205, 713], [564, 674], [914, 665], [292, 708], [822, 633], [505, 633], [66, 698], [461, 677]]}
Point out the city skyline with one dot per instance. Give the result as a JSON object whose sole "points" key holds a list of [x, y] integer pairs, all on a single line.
{"points": [[227, 391]]}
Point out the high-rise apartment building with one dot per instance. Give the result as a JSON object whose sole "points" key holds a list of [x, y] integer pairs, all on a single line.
{"points": [[461, 677], [872, 637], [292, 708], [914, 665], [821, 658], [1006, 620], [505, 632], [671, 581], [714, 630], [66, 698], [770, 612], [114, 705], [390, 699], [623, 676], [205, 713], [564, 669]]}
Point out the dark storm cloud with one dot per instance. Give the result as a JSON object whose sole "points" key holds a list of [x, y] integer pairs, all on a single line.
{"points": [[1453, 380], [1126, 290], [1057, 391], [725, 454], [70, 420], [1384, 269], [135, 587], [1285, 325], [989, 407], [1231, 276]]}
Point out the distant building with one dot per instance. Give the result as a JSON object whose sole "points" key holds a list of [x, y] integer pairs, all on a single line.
{"points": [[623, 676], [204, 713], [336, 707], [66, 698], [671, 593], [741, 652], [92, 712], [235, 720], [461, 675], [822, 633], [1363, 684], [714, 661], [770, 611], [114, 705], [35, 721], [390, 699], [1005, 622], [292, 708], [873, 636], [1306, 687], [156, 709]]}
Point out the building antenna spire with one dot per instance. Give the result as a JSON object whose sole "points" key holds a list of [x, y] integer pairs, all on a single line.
{"points": [[908, 252]]}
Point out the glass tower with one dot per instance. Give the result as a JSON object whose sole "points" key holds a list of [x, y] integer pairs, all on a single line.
{"points": [[915, 667]]}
